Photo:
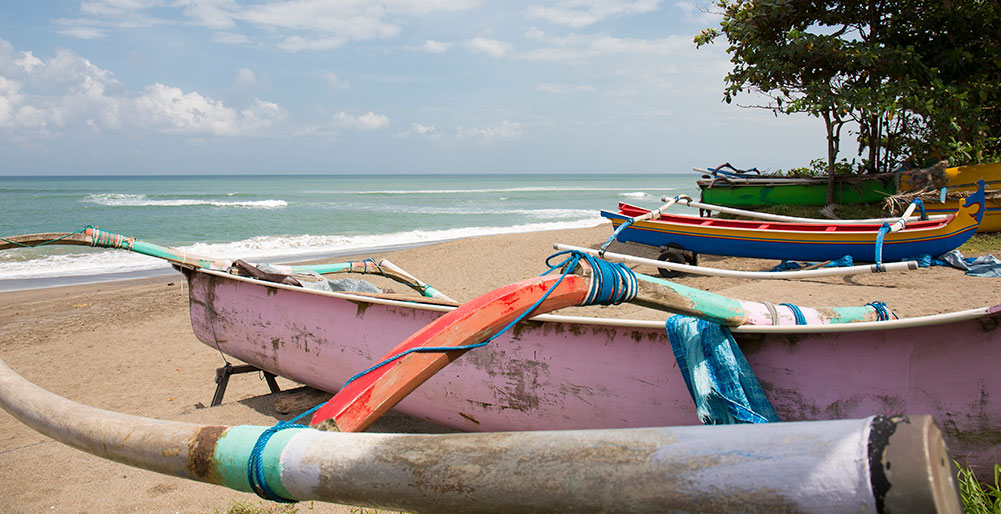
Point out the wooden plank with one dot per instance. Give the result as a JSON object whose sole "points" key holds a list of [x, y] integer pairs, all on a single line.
{"points": [[363, 401]]}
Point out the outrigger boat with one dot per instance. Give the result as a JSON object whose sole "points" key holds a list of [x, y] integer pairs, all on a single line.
{"points": [[730, 187], [863, 242], [959, 182], [556, 372]]}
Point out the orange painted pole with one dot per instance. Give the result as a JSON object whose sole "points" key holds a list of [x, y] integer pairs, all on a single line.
{"points": [[355, 407]]}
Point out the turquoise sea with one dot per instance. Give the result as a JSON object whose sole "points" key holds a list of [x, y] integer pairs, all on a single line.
{"points": [[283, 218]]}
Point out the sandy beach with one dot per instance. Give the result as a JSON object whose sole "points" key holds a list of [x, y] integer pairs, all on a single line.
{"points": [[128, 347]]}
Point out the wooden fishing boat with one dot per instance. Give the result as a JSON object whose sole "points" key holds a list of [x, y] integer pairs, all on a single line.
{"points": [[801, 241], [746, 190], [557, 372], [960, 182]]}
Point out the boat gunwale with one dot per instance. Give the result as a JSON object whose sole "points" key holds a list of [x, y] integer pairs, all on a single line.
{"points": [[892, 324], [686, 220]]}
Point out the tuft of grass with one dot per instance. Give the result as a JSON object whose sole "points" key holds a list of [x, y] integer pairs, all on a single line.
{"points": [[239, 507], [981, 244], [979, 497]]}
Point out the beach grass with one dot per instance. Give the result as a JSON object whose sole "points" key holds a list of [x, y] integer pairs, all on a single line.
{"points": [[260, 507], [979, 497], [981, 244]]}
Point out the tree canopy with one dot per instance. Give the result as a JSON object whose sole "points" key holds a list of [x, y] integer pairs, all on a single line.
{"points": [[916, 80]]}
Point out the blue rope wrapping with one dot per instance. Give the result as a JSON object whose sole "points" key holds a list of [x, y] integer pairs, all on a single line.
{"points": [[796, 313], [883, 312], [15, 243], [255, 465], [611, 284], [921, 205], [365, 262], [736, 172], [879, 242], [625, 223]]}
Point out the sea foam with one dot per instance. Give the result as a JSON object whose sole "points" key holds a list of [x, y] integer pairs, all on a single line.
{"points": [[128, 200], [256, 249]]}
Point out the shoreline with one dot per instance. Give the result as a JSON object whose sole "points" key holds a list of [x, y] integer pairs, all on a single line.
{"points": [[127, 346], [22, 284]]}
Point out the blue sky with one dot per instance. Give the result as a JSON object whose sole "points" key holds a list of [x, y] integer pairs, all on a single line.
{"points": [[350, 86]]}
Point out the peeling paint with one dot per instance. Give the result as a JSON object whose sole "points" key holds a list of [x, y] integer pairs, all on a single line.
{"points": [[201, 449]]}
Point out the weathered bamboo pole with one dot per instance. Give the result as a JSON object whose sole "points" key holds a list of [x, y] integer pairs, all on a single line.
{"points": [[877, 464]]}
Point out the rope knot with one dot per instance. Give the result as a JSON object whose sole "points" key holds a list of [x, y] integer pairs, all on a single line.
{"points": [[612, 283], [883, 312]]}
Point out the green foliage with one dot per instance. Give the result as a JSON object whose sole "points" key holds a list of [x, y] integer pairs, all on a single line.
{"points": [[919, 79], [820, 168], [979, 497]]}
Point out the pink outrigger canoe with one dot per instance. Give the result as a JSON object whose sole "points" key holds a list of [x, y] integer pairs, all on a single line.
{"points": [[566, 372]]}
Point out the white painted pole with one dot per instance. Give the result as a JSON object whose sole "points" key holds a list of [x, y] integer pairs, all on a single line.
{"points": [[879, 464], [792, 219], [760, 275]]}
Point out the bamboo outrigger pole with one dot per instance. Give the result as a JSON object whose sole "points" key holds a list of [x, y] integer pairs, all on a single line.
{"points": [[761, 275], [95, 237], [869, 465]]}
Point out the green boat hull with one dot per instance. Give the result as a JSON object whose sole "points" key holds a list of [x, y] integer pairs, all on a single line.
{"points": [[742, 195]]}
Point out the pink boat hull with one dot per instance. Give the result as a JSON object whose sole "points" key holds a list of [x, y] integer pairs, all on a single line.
{"points": [[571, 376]]}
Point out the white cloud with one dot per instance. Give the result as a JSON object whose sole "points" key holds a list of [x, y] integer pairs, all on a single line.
{"points": [[230, 38], [66, 92], [172, 111], [424, 130], [292, 25], [504, 130], [10, 97], [698, 15], [581, 13], [435, 47], [578, 47], [83, 32], [491, 47], [245, 79], [28, 62], [365, 123], [334, 81], [550, 87], [214, 14]]}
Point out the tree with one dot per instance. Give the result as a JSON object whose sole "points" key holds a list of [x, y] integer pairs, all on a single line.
{"points": [[799, 53], [916, 78]]}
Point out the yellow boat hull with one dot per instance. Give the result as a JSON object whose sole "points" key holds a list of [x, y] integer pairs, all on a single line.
{"points": [[963, 179]]}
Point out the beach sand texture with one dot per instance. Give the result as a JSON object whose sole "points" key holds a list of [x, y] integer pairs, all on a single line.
{"points": [[128, 347]]}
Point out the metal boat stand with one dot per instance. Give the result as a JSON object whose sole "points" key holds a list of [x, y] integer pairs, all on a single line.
{"points": [[222, 380]]}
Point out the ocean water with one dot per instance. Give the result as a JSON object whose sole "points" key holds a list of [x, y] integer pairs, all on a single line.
{"points": [[285, 218]]}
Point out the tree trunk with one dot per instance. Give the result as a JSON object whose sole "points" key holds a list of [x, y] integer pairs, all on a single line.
{"points": [[832, 154]]}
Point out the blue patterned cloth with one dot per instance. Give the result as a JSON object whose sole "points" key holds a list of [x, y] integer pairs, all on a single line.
{"points": [[718, 376]]}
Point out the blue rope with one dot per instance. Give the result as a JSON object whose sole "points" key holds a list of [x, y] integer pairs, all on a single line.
{"points": [[883, 312], [625, 223], [921, 205], [365, 262], [796, 313], [879, 242], [15, 243], [255, 465], [611, 284]]}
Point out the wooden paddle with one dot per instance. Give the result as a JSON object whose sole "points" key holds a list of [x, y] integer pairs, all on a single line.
{"points": [[372, 394]]}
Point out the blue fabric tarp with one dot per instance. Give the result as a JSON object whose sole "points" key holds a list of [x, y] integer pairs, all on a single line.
{"points": [[717, 374]]}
